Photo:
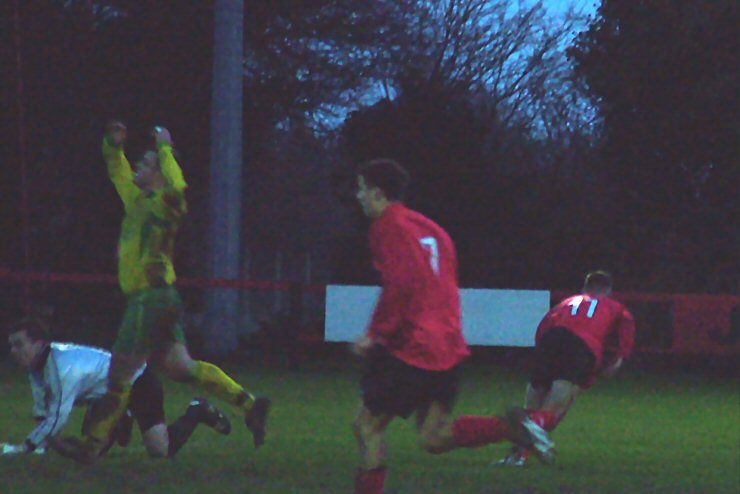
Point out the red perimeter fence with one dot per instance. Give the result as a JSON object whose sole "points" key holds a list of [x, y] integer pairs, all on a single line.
{"points": [[683, 324]]}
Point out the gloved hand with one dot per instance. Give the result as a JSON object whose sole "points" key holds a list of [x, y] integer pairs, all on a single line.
{"points": [[7, 449], [13, 449]]}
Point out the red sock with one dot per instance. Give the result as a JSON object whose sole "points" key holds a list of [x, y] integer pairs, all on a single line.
{"points": [[473, 432], [370, 481], [544, 418]]}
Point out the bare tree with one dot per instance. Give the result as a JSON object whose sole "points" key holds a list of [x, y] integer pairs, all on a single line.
{"points": [[508, 55]]}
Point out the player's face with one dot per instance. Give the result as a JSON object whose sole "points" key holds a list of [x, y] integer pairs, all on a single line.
{"points": [[147, 171], [366, 197], [23, 349]]}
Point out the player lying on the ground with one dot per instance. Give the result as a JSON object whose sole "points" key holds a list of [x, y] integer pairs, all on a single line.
{"points": [[64, 375], [573, 344]]}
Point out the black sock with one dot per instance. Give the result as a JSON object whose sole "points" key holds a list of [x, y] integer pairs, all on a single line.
{"points": [[180, 431]]}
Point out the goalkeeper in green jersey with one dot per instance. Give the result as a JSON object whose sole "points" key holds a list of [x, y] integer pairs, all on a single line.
{"points": [[153, 195]]}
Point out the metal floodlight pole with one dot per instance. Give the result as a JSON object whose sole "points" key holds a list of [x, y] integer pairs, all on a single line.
{"points": [[224, 231]]}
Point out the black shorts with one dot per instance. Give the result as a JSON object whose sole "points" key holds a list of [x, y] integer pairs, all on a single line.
{"points": [[147, 401], [395, 388], [561, 355]]}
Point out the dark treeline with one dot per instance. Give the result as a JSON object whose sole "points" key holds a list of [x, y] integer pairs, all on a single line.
{"points": [[621, 154]]}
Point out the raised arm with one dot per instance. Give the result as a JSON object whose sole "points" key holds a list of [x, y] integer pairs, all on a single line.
{"points": [[171, 171], [119, 169], [169, 202]]}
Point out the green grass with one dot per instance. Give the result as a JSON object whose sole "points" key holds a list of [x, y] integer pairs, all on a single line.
{"points": [[636, 433]]}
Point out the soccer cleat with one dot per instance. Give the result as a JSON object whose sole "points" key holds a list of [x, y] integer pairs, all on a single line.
{"points": [[256, 420], [517, 458], [80, 450], [209, 415], [512, 460], [529, 435]]}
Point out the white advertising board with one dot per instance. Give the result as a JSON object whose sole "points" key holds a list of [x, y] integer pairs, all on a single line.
{"points": [[491, 317]]}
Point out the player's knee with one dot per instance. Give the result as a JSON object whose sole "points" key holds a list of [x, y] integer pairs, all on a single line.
{"points": [[565, 388], [365, 430], [177, 363], [156, 451], [179, 372], [432, 443], [180, 368], [541, 385], [362, 429], [156, 441]]}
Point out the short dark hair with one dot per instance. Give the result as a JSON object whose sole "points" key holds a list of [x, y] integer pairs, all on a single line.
{"points": [[598, 280], [35, 328], [387, 175]]}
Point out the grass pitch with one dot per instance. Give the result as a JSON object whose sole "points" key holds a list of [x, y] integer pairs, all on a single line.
{"points": [[635, 433]]}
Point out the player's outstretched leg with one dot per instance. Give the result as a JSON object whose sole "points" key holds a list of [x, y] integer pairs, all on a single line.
{"points": [[546, 408], [210, 378], [527, 434], [200, 411], [209, 415], [369, 430], [557, 396], [476, 431], [472, 431], [518, 457]]}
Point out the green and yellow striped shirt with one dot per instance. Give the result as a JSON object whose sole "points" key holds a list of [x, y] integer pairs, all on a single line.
{"points": [[146, 244]]}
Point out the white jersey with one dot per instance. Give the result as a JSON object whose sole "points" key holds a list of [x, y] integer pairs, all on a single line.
{"points": [[72, 375]]}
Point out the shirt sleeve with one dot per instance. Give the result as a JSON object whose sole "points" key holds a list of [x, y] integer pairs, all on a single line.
{"points": [[39, 403], [626, 332], [394, 260], [119, 171], [169, 203], [171, 170], [62, 397]]}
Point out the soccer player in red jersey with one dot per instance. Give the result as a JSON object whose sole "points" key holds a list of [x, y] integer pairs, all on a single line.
{"points": [[414, 343], [573, 344]]}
